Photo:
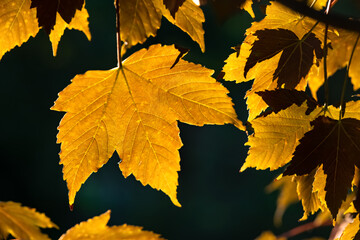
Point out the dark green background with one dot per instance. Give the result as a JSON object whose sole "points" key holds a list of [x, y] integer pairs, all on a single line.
{"points": [[217, 201]]}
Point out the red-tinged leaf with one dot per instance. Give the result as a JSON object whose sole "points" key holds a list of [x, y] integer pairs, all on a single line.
{"points": [[281, 99], [173, 5], [47, 9], [335, 145], [297, 55]]}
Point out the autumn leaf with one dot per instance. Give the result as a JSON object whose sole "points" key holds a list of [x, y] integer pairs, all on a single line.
{"points": [[276, 136], [134, 110], [22, 222], [79, 22], [189, 18], [338, 57], [297, 55], [336, 145], [279, 16], [173, 6], [96, 228], [141, 19], [18, 23], [280, 99], [309, 194], [46, 11]]}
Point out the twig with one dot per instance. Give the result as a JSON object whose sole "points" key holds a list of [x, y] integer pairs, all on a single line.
{"points": [[304, 228], [326, 82], [118, 37]]}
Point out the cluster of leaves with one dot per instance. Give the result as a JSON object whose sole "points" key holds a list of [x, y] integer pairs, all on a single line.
{"points": [[284, 53], [24, 223], [134, 108]]}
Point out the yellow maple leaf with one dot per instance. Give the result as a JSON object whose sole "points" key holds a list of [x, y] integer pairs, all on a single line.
{"points": [[22, 222], [142, 18], [133, 110], [309, 195], [79, 22], [276, 137], [139, 20], [338, 57], [96, 228], [279, 16], [189, 18], [18, 23]]}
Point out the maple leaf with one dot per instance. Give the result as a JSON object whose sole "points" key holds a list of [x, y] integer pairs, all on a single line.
{"points": [[335, 145], [338, 57], [141, 19], [276, 136], [22, 222], [96, 228], [296, 58], [18, 23], [134, 110], [79, 22], [173, 6], [46, 11], [280, 99], [309, 195]]}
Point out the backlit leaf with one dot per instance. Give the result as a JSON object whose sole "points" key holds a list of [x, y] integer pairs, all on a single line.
{"points": [[262, 73], [189, 18], [173, 6], [18, 23], [96, 228], [335, 145], [309, 198], [138, 20], [338, 57], [22, 222], [276, 136], [142, 18], [79, 22], [281, 99], [297, 55], [134, 110], [279, 16], [46, 11]]}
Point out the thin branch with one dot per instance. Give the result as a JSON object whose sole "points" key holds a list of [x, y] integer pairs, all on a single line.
{"points": [[331, 19], [304, 228], [342, 102], [118, 37], [326, 82]]}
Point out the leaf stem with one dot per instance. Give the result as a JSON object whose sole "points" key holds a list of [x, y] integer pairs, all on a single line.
{"points": [[118, 36], [346, 79], [326, 82]]}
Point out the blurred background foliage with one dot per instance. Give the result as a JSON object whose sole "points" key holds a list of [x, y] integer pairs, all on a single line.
{"points": [[217, 201]]}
